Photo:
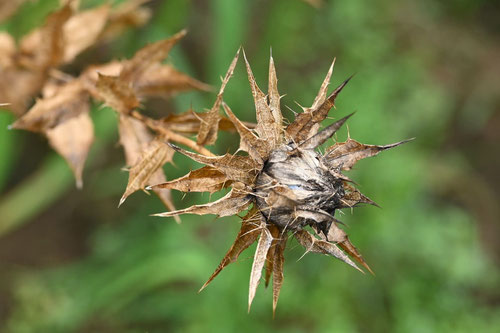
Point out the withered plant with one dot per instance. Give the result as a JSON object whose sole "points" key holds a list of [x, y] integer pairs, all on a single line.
{"points": [[61, 113], [284, 183]]}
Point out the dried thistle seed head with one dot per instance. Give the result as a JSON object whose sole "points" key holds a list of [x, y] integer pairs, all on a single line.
{"points": [[283, 182], [295, 188]]}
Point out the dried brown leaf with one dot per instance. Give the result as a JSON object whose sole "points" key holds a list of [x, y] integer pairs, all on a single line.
{"points": [[164, 81], [128, 14], [83, 30], [323, 90], [274, 100], [247, 236], [353, 252], [210, 122], [257, 148], [279, 260], [116, 93], [7, 50], [135, 138], [148, 56], [353, 197], [267, 126], [259, 260], [321, 137], [339, 236], [43, 48], [232, 203], [275, 233], [64, 102], [163, 194], [345, 154], [8, 8], [312, 244], [307, 123], [206, 179], [189, 122], [153, 157], [72, 140], [235, 167]]}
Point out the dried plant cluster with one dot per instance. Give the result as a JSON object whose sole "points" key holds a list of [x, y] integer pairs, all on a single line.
{"points": [[283, 182], [62, 113]]}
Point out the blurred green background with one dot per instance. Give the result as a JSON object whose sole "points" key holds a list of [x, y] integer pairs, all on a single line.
{"points": [[70, 261]]}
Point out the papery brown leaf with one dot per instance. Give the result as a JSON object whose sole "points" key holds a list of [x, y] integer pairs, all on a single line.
{"points": [[128, 14], [279, 260], [232, 203], [64, 102], [246, 236], [345, 154], [274, 100], [353, 252], [275, 233], [210, 124], [135, 138], [8, 8], [189, 122], [7, 50], [257, 148], [83, 30], [267, 126], [17, 87], [323, 90], [339, 236], [312, 244], [306, 124], [353, 197], [153, 157], [72, 140], [44, 47], [321, 137], [259, 260], [235, 167], [116, 93], [163, 194], [206, 179], [164, 80], [148, 56]]}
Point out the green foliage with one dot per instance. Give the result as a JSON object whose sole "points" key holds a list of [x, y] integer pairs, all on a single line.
{"points": [[141, 274]]}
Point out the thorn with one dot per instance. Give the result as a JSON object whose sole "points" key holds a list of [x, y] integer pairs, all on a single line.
{"points": [[122, 200], [149, 187]]}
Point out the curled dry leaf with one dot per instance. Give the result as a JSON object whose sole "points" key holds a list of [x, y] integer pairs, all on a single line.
{"points": [[136, 139], [287, 184], [8, 8], [259, 260], [63, 103], [206, 179], [152, 158], [83, 30], [72, 140]]}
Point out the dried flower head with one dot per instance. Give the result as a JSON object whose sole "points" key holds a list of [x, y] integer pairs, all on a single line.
{"points": [[285, 184]]}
